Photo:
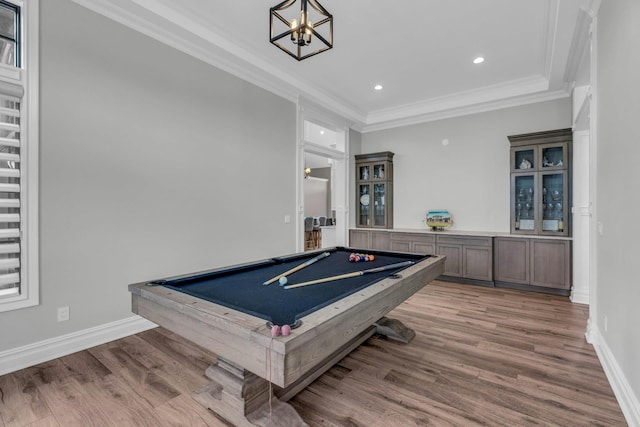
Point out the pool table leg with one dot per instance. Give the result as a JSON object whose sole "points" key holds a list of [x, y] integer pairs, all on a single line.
{"points": [[395, 330], [242, 398]]}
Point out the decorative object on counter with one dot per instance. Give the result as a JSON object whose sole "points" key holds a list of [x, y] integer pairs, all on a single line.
{"points": [[438, 220]]}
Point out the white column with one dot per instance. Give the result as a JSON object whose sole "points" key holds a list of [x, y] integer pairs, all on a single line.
{"points": [[581, 218]]}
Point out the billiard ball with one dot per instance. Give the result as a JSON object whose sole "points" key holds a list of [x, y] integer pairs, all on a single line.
{"points": [[286, 330], [283, 281]]}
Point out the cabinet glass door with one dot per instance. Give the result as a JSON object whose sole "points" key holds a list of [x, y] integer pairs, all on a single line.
{"points": [[364, 202], [524, 201], [524, 158], [378, 204], [378, 171], [364, 173], [553, 199], [554, 156]]}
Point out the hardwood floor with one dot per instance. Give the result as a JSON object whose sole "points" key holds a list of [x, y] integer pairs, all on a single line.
{"points": [[481, 356]]}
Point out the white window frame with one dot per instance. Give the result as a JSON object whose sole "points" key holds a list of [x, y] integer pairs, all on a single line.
{"points": [[27, 76]]}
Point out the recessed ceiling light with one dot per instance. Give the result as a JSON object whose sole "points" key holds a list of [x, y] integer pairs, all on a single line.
{"points": [[478, 60], [378, 87], [321, 132]]}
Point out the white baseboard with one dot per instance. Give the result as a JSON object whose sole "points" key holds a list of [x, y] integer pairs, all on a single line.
{"points": [[43, 351], [627, 399], [579, 295]]}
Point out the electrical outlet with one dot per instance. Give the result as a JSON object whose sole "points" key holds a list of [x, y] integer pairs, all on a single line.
{"points": [[63, 313]]}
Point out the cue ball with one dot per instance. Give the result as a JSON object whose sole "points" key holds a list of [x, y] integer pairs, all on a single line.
{"points": [[282, 281], [286, 330]]}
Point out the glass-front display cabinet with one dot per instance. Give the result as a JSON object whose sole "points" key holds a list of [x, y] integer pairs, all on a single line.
{"points": [[541, 182], [374, 190]]}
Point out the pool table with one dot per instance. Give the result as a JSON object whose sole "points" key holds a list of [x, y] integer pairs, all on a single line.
{"points": [[230, 312]]}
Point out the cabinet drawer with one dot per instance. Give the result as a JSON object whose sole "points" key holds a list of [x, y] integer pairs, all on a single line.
{"points": [[412, 237], [413, 242], [465, 240], [413, 247]]}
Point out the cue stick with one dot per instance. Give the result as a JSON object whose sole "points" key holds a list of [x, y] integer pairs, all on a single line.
{"points": [[354, 274], [300, 267]]}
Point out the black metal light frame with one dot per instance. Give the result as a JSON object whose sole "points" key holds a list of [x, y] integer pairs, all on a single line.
{"points": [[283, 41]]}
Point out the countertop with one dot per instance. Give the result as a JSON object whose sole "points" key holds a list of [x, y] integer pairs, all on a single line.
{"points": [[454, 232]]}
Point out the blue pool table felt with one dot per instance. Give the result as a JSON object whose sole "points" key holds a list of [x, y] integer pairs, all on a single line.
{"points": [[241, 288]]}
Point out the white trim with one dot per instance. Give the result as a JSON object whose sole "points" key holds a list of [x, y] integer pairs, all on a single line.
{"points": [[161, 22], [628, 401], [454, 106], [581, 215], [43, 351], [592, 99], [308, 111], [553, 14], [30, 274], [579, 45]]}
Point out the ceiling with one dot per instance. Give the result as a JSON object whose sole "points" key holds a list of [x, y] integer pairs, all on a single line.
{"points": [[420, 51]]}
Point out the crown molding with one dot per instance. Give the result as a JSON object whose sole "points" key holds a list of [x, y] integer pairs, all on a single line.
{"points": [[553, 15], [579, 44], [464, 110], [477, 100], [156, 19]]}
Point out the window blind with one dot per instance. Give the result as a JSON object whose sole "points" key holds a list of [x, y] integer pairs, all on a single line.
{"points": [[9, 196]]}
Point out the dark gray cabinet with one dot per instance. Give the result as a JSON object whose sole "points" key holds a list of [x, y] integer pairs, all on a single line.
{"points": [[369, 239], [374, 190], [420, 243], [541, 183], [512, 260], [533, 263], [360, 239], [551, 263], [453, 261], [524, 262], [468, 257]]}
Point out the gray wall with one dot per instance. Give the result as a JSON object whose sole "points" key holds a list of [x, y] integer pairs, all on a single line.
{"points": [[618, 186], [470, 175], [152, 164]]}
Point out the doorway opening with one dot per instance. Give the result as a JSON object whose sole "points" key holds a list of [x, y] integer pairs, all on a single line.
{"points": [[323, 156]]}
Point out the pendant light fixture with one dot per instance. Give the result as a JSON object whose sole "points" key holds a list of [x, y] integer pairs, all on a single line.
{"points": [[301, 34]]}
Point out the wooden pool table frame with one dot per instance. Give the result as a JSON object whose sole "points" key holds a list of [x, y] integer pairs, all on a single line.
{"points": [[244, 342]]}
